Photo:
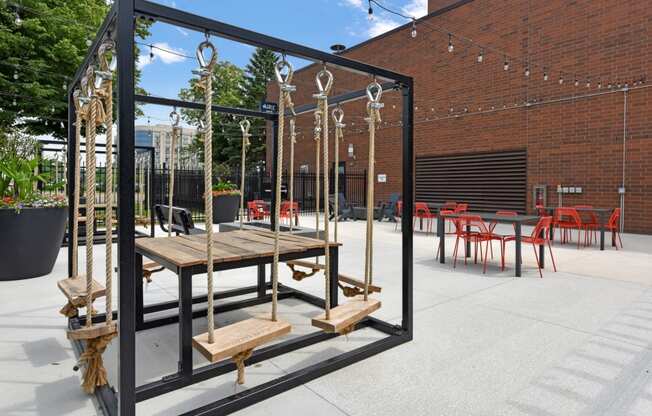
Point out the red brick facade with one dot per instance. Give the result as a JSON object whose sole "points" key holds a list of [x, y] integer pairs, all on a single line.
{"points": [[573, 135]]}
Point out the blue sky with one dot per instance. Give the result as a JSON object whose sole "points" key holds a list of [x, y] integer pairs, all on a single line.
{"points": [[315, 23]]}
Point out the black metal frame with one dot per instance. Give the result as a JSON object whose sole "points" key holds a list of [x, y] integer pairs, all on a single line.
{"points": [[120, 24]]}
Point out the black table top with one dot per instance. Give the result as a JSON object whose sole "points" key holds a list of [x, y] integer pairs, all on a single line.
{"points": [[504, 219]]}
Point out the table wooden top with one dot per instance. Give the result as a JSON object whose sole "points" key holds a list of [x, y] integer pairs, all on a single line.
{"points": [[190, 250]]}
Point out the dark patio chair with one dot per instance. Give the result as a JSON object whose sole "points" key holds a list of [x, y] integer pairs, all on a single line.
{"points": [[345, 210]]}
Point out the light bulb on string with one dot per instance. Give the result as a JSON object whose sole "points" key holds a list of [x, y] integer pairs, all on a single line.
{"points": [[545, 76], [414, 29], [506, 65], [14, 102], [561, 79], [451, 48], [89, 42], [599, 85], [15, 74], [577, 82], [588, 83], [371, 11], [64, 86], [17, 20], [62, 126], [481, 56], [151, 53], [527, 71]]}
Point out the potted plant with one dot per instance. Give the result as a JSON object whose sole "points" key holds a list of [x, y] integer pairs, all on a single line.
{"points": [[32, 220], [226, 202]]}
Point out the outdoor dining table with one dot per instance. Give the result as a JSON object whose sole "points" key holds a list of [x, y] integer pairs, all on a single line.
{"points": [[603, 217], [517, 220]]}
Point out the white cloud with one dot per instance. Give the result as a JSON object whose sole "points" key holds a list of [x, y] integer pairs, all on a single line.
{"points": [[354, 3], [381, 25], [183, 32], [416, 8], [163, 52]]}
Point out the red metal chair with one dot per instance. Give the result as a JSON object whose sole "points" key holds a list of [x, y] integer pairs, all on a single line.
{"points": [[591, 224], [449, 205], [286, 214], [459, 208], [478, 234], [252, 211], [542, 228], [567, 220], [492, 227], [450, 220], [422, 212], [614, 226], [541, 210]]}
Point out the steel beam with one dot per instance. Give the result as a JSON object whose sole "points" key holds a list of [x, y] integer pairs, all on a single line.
{"points": [[171, 102]]}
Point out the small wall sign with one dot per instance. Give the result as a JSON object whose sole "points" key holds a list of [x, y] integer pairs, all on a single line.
{"points": [[382, 178]]}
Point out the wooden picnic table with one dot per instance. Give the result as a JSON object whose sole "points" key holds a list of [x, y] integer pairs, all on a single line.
{"points": [[185, 255], [603, 218], [516, 220]]}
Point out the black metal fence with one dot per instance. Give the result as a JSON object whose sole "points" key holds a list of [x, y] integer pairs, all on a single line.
{"points": [[189, 187]]}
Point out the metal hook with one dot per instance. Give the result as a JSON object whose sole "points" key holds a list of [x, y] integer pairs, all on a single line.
{"points": [[174, 117], [107, 46], [338, 116], [76, 96], [324, 89], [317, 129], [284, 80], [206, 44], [374, 97], [244, 126]]}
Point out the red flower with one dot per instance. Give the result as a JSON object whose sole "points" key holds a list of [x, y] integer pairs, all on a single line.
{"points": [[7, 200]]}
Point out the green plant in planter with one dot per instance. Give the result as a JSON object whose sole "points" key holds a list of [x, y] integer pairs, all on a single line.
{"points": [[225, 188], [19, 177]]}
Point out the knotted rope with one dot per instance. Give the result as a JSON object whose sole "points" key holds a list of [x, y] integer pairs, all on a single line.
{"points": [[317, 138], [239, 360], [293, 141], [174, 118], [285, 99], [374, 92], [338, 116], [206, 81], [244, 127], [90, 190], [322, 102], [79, 119], [95, 373]]}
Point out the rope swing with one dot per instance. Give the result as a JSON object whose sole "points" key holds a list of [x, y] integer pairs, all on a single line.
{"points": [[343, 318], [237, 341], [244, 127], [98, 85]]}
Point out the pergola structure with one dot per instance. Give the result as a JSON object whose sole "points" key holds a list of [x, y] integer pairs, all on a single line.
{"points": [[122, 398]]}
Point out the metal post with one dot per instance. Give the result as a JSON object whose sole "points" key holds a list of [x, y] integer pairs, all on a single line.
{"points": [[72, 168], [126, 248], [408, 197], [150, 192]]}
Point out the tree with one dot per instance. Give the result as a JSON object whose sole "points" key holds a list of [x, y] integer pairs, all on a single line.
{"points": [[259, 72], [42, 43], [228, 81]]}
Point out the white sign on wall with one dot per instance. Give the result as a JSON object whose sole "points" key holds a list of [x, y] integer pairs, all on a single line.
{"points": [[382, 178]]}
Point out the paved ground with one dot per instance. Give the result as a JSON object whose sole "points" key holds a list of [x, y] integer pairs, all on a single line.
{"points": [[577, 342]]}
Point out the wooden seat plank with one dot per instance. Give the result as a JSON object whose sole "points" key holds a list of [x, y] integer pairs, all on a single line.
{"points": [[306, 264], [75, 290], [94, 331], [357, 283], [151, 266], [239, 337], [347, 314]]}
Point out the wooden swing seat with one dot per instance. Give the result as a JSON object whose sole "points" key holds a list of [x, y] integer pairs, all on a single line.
{"points": [[94, 331], [342, 278], [150, 268], [346, 315], [75, 290], [239, 337]]}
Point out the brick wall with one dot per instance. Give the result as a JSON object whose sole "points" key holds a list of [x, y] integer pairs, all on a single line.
{"points": [[573, 135]]}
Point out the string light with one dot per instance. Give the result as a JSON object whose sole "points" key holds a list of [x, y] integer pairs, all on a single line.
{"points": [[151, 53], [18, 21], [450, 43], [414, 29], [561, 79], [588, 83], [506, 64], [371, 11], [89, 42], [545, 75], [527, 71], [65, 86], [599, 85], [14, 102], [62, 126], [15, 74], [481, 56]]}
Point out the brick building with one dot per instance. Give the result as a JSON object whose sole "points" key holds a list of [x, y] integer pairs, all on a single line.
{"points": [[506, 131]]}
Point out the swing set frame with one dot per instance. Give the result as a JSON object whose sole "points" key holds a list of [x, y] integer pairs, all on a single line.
{"points": [[120, 24]]}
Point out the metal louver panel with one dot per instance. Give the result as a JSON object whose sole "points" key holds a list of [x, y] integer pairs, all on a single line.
{"points": [[486, 181]]}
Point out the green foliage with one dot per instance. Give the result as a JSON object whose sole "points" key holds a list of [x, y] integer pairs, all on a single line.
{"points": [[19, 174], [225, 187], [234, 87], [45, 50]]}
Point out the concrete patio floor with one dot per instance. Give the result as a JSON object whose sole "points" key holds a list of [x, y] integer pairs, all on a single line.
{"points": [[577, 342]]}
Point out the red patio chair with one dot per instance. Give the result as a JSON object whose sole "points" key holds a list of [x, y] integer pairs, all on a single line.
{"points": [[478, 234], [492, 227], [542, 228], [286, 214], [567, 220], [449, 205], [459, 208], [252, 211], [614, 226], [422, 212], [591, 224], [541, 210]]}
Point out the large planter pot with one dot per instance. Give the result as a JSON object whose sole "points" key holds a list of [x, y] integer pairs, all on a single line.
{"points": [[225, 208], [30, 241]]}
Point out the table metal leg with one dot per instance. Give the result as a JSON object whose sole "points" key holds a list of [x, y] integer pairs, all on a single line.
{"points": [[542, 250], [441, 232], [140, 303], [517, 229], [468, 242], [261, 280], [602, 237], [185, 322], [334, 275]]}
